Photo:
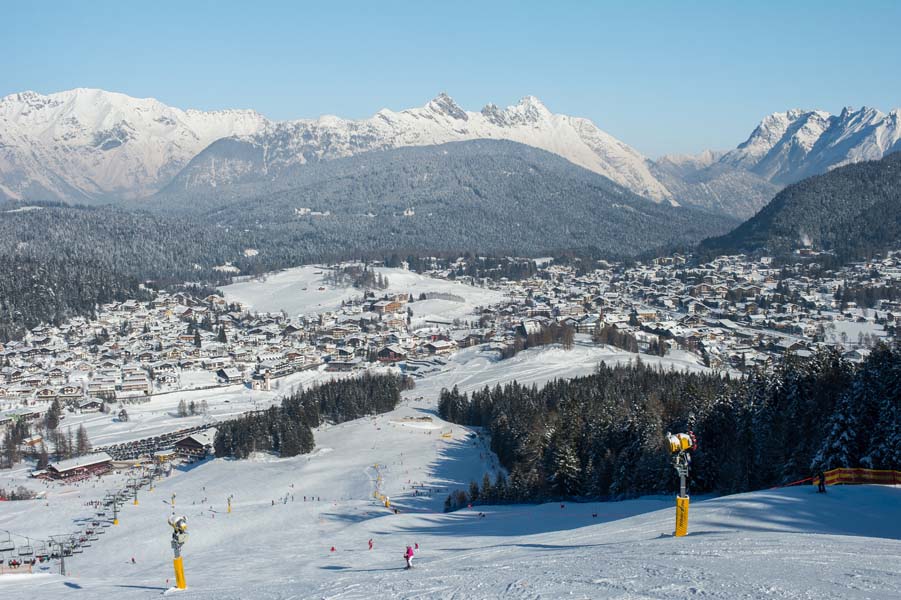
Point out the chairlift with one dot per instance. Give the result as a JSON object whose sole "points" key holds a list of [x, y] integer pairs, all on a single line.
{"points": [[40, 552], [26, 551], [93, 538], [77, 550], [6, 542]]}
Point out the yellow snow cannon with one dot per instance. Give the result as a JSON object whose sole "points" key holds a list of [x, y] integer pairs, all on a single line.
{"points": [[680, 442], [179, 537]]}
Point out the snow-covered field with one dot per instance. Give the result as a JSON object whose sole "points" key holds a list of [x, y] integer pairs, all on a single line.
{"points": [[297, 291], [788, 543], [472, 368]]}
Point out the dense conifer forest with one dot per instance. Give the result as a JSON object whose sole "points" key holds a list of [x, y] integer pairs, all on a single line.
{"points": [[287, 429], [853, 211], [602, 436]]}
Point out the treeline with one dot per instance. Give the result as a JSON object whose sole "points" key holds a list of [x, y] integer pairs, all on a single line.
{"points": [[551, 333], [601, 436], [610, 335], [19, 493], [65, 444], [359, 276], [59, 262], [287, 429], [867, 296]]}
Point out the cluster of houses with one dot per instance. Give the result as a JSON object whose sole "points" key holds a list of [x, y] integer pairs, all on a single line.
{"points": [[133, 350], [733, 311]]}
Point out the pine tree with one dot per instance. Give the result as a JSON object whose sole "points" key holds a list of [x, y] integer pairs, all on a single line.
{"points": [[51, 419], [474, 491], [82, 443], [43, 457], [566, 471]]}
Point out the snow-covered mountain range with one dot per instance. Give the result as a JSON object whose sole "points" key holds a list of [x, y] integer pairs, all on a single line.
{"points": [[88, 145], [285, 144], [795, 144]]}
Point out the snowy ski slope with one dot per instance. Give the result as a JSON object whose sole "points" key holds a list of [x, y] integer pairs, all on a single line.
{"points": [[786, 543]]}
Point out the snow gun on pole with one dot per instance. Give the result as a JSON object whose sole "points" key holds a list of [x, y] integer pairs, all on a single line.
{"points": [[179, 537], [680, 447]]}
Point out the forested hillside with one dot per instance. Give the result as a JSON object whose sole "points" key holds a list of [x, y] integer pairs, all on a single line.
{"points": [[602, 436], [57, 262], [488, 196], [854, 211]]}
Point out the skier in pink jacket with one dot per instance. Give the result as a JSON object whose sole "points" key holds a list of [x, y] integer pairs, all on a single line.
{"points": [[408, 556]]}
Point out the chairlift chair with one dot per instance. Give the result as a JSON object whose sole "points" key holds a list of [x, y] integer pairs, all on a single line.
{"points": [[6, 543], [40, 552], [26, 551]]}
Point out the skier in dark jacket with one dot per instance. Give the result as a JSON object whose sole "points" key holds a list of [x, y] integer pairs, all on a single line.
{"points": [[821, 482]]}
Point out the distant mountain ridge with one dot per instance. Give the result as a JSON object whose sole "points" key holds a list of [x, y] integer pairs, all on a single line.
{"points": [[94, 146], [84, 145], [789, 146]]}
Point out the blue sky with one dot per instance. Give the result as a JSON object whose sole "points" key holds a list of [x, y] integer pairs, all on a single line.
{"points": [[662, 76]]}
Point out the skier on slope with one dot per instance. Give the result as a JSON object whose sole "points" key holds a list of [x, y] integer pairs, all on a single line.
{"points": [[821, 482], [370, 543], [408, 556]]}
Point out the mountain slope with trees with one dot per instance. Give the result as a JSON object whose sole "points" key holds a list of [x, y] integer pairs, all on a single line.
{"points": [[602, 436], [854, 211], [487, 195]]}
